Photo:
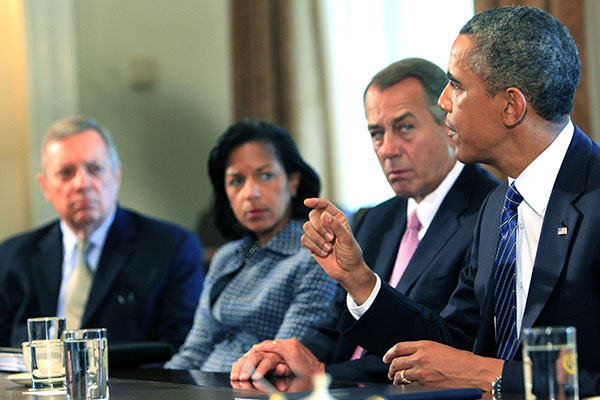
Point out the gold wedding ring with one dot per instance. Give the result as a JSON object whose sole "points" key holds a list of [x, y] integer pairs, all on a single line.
{"points": [[274, 342], [403, 380]]}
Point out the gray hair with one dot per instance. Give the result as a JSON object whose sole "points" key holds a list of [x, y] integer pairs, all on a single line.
{"points": [[70, 126], [432, 78], [529, 49]]}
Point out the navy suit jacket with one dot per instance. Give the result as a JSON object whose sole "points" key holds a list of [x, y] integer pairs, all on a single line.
{"points": [[564, 289], [429, 278], [146, 287]]}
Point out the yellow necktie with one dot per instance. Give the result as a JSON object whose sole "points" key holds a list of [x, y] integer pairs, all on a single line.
{"points": [[78, 288]]}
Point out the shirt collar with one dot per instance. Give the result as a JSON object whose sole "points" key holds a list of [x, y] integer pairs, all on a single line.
{"points": [[285, 241], [428, 207], [97, 237], [536, 181]]}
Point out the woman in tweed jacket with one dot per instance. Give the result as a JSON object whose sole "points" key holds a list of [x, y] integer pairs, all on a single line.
{"points": [[264, 284]]}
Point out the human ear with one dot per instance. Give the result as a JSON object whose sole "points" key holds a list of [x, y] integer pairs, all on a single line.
{"points": [[515, 107]]}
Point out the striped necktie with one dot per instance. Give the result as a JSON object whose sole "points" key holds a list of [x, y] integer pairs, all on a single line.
{"points": [[505, 277], [78, 287]]}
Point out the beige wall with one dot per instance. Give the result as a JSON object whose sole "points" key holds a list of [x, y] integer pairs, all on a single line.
{"points": [[164, 129], [14, 172]]}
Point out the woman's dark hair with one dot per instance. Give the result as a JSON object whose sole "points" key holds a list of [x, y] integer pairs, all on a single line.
{"points": [[285, 150]]}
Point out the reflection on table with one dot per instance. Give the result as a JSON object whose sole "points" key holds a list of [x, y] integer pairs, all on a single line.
{"points": [[159, 384]]}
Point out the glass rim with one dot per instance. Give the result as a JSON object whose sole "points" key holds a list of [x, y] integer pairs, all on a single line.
{"points": [[40, 319]]}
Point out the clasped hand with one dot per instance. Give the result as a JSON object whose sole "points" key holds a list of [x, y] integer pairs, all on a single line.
{"points": [[281, 357]]}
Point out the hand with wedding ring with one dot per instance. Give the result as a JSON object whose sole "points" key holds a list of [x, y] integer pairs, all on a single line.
{"points": [[403, 379], [434, 364]]}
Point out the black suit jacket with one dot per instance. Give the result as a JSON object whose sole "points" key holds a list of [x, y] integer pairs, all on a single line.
{"points": [[429, 278], [146, 287], [564, 289]]}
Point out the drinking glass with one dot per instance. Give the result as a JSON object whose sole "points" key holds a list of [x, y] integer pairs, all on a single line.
{"points": [[550, 363], [46, 353], [86, 359]]}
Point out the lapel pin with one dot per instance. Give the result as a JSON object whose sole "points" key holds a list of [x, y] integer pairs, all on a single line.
{"points": [[562, 231]]}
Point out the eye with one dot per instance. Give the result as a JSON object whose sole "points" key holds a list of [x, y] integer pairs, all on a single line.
{"points": [[65, 173], [265, 176], [234, 181], [404, 127], [95, 169], [376, 133]]}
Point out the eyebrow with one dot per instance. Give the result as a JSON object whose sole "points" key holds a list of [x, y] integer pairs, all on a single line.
{"points": [[259, 169], [394, 121], [452, 77]]}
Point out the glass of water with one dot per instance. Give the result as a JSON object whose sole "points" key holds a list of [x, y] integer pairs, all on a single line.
{"points": [[86, 359], [46, 353], [550, 363]]}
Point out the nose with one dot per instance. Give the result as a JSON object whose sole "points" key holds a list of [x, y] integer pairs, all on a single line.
{"points": [[251, 189], [445, 102], [390, 147], [82, 178]]}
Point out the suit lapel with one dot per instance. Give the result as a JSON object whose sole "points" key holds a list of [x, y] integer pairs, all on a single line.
{"points": [[560, 213], [442, 227], [46, 265], [119, 244]]}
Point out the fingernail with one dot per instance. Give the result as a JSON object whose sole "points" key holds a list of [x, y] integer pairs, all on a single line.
{"points": [[328, 236], [327, 217], [244, 376], [327, 247]]}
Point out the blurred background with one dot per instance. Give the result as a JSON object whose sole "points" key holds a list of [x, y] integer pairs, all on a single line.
{"points": [[167, 77]]}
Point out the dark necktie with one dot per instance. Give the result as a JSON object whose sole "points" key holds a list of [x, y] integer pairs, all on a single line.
{"points": [[505, 267]]}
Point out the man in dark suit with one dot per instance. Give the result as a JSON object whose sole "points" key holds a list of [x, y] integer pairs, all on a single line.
{"points": [[100, 265], [508, 103], [412, 146]]}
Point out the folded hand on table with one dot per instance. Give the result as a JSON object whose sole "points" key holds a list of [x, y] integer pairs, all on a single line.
{"points": [[281, 357]]}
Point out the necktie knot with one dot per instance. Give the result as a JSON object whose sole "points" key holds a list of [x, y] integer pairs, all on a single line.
{"points": [[513, 198], [413, 224], [83, 247]]}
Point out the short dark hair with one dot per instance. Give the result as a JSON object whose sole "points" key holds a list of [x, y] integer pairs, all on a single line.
{"points": [[432, 78], [256, 130], [526, 48]]}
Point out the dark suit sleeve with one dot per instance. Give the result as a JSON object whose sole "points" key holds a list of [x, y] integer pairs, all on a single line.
{"points": [[393, 317], [322, 336], [179, 299]]}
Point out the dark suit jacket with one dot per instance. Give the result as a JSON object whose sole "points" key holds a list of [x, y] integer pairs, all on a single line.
{"points": [[146, 287], [430, 277], [564, 289]]}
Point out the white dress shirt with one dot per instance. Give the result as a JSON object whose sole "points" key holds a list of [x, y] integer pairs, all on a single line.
{"points": [[535, 185], [70, 239], [426, 210]]}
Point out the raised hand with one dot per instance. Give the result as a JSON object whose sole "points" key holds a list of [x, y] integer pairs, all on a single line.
{"points": [[328, 236]]}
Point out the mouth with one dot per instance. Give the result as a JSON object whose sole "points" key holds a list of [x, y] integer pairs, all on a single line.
{"points": [[451, 128], [256, 213], [398, 173], [82, 204]]}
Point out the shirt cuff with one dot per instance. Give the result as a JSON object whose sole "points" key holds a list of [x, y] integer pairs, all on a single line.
{"points": [[358, 311]]}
